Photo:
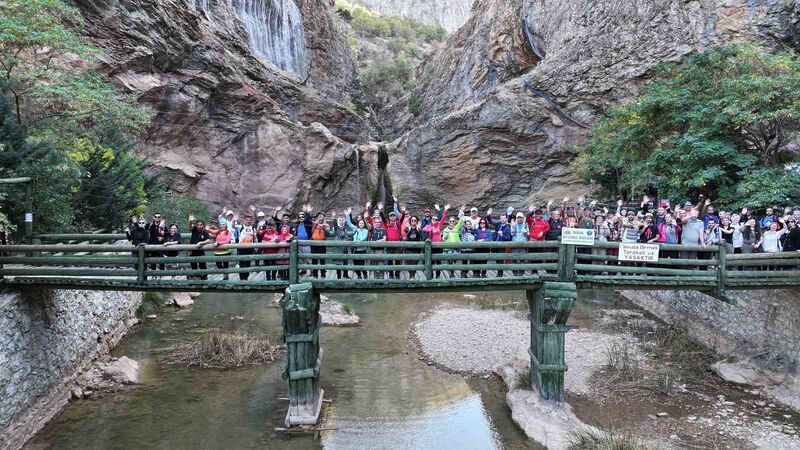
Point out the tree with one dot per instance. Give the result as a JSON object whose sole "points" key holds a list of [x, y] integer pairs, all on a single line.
{"points": [[720, 123], [54, 97], [65, 125], [113, 185], [51, 174]]}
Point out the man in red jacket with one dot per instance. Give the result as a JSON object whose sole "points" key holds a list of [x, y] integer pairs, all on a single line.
{"points": [[538, 226]]}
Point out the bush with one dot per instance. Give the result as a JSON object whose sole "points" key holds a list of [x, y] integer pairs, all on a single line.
{"points": [[177, 208], [152, 303]]}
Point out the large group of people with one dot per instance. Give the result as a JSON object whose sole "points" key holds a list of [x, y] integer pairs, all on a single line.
{"points": [[697, 224]]}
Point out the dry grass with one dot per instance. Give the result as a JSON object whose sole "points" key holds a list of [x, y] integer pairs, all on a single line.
{"points": [[622, 362], [689, 360], [588, 439], [218, 349]]}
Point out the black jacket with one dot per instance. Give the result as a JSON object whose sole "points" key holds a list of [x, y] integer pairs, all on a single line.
{"points": [[791, 241], [138, 236]]}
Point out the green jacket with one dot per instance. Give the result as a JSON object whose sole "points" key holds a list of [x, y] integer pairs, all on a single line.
{"points": [[454, 234]]}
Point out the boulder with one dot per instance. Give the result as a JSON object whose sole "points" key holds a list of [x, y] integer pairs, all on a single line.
{"points": [[122, 370], [746, 373], [182, 300]]}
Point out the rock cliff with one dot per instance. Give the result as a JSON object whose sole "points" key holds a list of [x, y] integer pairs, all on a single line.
{"points": [[502, 104], [230, 127], [507, 98]]}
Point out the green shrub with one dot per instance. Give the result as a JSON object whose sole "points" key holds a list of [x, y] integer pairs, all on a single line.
{"points": [[152, 303]]}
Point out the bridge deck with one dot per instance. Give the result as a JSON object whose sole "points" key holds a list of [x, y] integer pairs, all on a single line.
{"points": [[386, 266]]}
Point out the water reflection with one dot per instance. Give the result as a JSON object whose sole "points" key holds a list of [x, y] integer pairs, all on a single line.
{"points": [[384, 397]]}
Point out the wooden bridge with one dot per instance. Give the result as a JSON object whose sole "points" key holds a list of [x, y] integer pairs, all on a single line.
{"points": [[550, 272]]}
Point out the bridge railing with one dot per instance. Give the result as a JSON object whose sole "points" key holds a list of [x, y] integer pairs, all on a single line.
{"points": [[691, 266], [345, 264]]}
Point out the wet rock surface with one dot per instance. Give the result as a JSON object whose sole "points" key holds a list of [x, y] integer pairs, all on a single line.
{"points": [[335, 314], [47, 339]]}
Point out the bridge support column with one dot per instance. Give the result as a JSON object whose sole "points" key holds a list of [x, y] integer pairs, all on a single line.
{"points": [[550, 307], [301, 334]]}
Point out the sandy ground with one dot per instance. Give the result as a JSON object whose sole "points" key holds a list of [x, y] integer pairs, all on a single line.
{"points": [[479, 341], [476, 341]]}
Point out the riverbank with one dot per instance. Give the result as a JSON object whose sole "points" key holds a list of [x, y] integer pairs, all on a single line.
{"points": [[473, 341], [48, 339]]}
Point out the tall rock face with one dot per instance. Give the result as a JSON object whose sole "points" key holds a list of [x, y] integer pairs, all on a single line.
{"points": [[448, 14], [246, 113], [507, 99]]}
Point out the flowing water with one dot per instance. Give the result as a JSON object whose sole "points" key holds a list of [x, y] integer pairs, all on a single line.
{"points": [[383, 395], [274, 29]]}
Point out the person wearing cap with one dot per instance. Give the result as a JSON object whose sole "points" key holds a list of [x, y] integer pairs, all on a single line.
{"points": [[427, 219], [791, 241], [394, 234], [226, 218], [519, 233], [648, 232], [536, 224], [473, 218], [261, 219], [435, 230]]}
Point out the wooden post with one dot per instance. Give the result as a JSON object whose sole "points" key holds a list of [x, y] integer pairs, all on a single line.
{"points": [[722, 275], [550, 307], [566, 262], [294, 261], [301, 334], [428, 260], [140, 265]]}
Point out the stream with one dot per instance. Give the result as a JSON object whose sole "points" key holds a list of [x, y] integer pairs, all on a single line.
{"points": [[384, 396]]}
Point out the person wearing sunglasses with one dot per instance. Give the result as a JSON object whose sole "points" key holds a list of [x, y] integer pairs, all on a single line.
{"points": [[791, 240], [138, 235]]}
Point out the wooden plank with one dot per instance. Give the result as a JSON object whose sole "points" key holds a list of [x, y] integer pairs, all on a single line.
{"points": [[91, 260], [641, 270], [67, 271], [661, 261], [474, 256]]}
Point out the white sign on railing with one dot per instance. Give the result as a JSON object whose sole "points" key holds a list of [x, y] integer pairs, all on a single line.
{"points": [[577, 236], [638, 252]]}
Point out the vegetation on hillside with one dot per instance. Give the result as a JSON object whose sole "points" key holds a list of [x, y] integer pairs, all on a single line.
{"points": [[389, 49], [65, 125], [722, 123]]}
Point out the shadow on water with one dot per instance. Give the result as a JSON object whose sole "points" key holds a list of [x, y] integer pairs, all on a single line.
{"points": [[383, 395]]}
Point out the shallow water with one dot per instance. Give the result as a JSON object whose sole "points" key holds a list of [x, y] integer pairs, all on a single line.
{"points": [[383, 395]]}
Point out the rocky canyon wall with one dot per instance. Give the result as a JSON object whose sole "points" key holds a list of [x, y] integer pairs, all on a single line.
{"points": [[231, 127], [47, 338], [489, 129], [246, 113]]}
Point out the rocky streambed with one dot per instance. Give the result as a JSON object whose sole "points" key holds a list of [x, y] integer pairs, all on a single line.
{"points": [[655, 399]]}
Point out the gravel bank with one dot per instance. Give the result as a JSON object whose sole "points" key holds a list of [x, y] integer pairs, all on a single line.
{"points": [[472, 341]]}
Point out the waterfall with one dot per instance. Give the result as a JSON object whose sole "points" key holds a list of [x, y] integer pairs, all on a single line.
{"points": [[274, 29]]}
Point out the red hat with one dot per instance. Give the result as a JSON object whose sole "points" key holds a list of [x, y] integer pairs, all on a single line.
{"points": [[663, 204]]}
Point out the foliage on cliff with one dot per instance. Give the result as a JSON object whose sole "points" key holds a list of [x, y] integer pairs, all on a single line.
{"points": [[723, 123], [65, 125], [389, 49]]}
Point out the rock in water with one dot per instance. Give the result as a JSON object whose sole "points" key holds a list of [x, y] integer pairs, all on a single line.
{"points": [[182, 300], [123, 370], [332, 313]]}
